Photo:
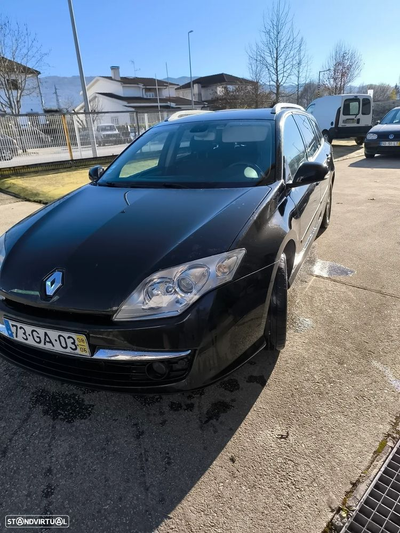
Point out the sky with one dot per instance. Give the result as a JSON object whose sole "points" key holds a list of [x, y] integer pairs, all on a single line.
{"points": [[151, 33]]}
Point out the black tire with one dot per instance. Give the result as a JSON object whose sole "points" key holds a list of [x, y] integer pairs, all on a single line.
{"points": [[326, 219], [327, 137], [276, 326], [359, 140], [369, 155]]}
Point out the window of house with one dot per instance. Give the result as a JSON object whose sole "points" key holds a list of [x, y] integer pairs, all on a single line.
{"points": [[149, 95], [351, 107], [309, 135], [366, 106], [293, 147], [115, 121]]}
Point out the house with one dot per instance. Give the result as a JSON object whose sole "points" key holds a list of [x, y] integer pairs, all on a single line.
{"points": [[209, 88], [19, 88], [118, 95]]}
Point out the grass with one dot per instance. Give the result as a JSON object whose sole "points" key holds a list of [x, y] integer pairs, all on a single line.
{"points": [[46, 188]]}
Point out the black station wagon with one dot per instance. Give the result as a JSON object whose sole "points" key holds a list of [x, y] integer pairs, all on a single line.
{"points": [[171, 268]]}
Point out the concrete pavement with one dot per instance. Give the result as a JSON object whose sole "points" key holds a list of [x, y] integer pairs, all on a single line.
{"points": [[272, 448]]}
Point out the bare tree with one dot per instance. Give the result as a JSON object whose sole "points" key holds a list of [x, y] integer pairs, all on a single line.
{"points": [[277, 48], [344, 65], [308, 93], [382, 91], [21, 56], [302, 66]]}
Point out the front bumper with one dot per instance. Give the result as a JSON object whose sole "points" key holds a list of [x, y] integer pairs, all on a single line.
{"points": [[374, 147], [215, 336]]}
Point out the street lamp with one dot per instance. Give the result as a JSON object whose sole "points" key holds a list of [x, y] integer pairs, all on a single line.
{"points": [[83, 82], [190, 68], [319, 79]]}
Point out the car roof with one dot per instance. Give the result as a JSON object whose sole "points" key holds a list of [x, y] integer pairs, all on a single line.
{"points": [[229, 114]]}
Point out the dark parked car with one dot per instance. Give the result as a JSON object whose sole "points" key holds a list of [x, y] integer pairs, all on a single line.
{"points": [[171, 268], [384, 138], [8, 148], [108, 134]]}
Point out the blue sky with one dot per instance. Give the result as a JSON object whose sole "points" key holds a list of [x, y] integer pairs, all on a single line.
{"points": [[152, 33]]}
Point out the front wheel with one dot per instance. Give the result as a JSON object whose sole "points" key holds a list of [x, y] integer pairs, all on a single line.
{"points": [[369, 155], [276, 326], [326, 219], [359, 140]]}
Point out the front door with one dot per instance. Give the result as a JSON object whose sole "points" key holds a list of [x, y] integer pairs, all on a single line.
{"points": [[306, 198]]}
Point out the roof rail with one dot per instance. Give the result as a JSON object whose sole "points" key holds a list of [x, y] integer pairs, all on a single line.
{"points": [[278, 107], [186, 113]]}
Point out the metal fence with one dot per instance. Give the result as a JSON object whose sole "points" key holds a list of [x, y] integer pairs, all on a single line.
{"points": [[43, 138]]}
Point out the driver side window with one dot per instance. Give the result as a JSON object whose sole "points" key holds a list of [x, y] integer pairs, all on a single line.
{"points": [[294, 150]]}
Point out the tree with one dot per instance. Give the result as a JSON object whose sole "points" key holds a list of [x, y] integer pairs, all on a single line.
{"points": [[277, 48], [308, 93], [21, 56], [382, 91], [258, 96], [344, 65], [301, 67]]}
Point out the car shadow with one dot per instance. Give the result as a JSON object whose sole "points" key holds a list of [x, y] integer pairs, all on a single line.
{"points": [[346, 148], [116, 462], [379, 161]]}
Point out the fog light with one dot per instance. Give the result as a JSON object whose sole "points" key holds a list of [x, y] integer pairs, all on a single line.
{"points": [[157, 370]]}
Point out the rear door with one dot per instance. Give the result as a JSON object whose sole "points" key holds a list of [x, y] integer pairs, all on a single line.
{"points": [[351, 112]]}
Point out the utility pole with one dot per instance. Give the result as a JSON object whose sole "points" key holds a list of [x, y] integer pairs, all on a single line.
{"points": [[158, 98], [83, 82], [57, 98], [166, 68], [190, 68]]}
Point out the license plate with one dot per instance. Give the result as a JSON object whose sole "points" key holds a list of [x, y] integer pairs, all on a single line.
{"points": [[47, 339], [390, 143]]}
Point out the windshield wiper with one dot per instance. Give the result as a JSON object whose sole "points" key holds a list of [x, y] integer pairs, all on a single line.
{"points": [[173, 186]]}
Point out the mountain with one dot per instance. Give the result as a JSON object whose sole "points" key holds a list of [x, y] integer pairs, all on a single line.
{"points": [[68, 89]]}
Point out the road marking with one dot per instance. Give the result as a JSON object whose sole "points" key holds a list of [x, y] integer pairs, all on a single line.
{"points": [[388, 373]]}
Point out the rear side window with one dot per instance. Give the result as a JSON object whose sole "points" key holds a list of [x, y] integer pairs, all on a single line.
{"points": [[366, 106], [293, 147], [351, 107], [308, 132]]}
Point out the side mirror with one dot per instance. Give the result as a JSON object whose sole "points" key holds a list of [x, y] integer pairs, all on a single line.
{"points": [[308, 172], [95, 173], [377, 122]]}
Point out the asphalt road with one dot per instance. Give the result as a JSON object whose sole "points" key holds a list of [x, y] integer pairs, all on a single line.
{"points": [[274, 447]]}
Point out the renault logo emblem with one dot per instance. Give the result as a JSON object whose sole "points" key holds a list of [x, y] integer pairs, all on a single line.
{"points": [[53, 282]]}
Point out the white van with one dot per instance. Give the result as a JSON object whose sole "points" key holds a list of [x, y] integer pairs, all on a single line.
{"points": [[343, 116]]}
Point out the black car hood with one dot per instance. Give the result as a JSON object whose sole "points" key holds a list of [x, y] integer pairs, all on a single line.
{"points": [[385, 128], [107, 240]]}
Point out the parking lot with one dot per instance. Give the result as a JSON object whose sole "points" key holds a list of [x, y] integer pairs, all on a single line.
{"points": [[275, 446]]}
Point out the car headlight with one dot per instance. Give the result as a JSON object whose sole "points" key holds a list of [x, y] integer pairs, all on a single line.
{"points": [[169, 292], [371, 136]]}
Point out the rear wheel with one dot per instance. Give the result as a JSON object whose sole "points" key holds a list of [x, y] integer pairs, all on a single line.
{"points": [[328, 208], [276, 326]]}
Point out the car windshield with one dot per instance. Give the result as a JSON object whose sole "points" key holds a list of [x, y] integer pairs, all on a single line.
{"points": [[393, 117], [198, 154], [107, 128]]}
